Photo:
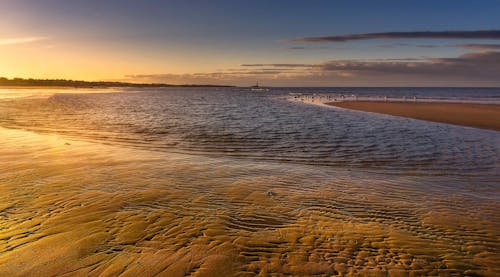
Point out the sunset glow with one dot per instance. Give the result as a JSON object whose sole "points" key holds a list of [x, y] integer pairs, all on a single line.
{"points": [[242, 138], [200, 42]]}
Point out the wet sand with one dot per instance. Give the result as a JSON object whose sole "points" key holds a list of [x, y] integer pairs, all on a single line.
{"points": [[473, 115], [78, 208]]}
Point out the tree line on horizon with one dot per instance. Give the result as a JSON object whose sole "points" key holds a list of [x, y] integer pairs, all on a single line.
{"points": [[86, 84]]}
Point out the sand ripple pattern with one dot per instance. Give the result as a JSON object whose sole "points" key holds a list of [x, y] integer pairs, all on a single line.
{"points": [[77, 208]]}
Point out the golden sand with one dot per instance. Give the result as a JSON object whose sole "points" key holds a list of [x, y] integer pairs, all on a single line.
{"points": [[484, 116], [78, 208]]}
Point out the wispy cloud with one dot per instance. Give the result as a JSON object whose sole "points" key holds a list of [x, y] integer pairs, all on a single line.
{"points": [[481, 65], [481, 47], [409, 45], [277, 64], [472, 69], [19, 40], [312, 48], [480, 34]]}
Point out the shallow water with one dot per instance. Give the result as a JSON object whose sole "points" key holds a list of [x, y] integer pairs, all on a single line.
{"points": [[261, 126], [186, 182]]}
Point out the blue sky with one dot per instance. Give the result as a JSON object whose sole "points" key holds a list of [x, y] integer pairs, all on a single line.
{"points": [[172, 40]]}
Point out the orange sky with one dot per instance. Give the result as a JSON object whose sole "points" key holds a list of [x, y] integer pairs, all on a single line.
{"points": [[297, 44]]}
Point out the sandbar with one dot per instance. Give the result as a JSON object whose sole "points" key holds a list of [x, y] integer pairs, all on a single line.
{"points": [[484, 116]]}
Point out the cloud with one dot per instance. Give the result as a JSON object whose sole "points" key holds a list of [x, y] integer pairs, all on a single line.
{"points": [[277, 65], [400, 59], [427, 46], [471, 69], [481, 47], [410, 45], [312, 48], [19, 40], [481, 34], [469, 46], [291, 66]]}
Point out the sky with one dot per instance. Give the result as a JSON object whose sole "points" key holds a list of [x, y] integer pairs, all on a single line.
{"points": [[277, 43]]}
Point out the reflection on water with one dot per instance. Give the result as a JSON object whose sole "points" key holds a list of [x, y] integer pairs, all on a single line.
{"points": [[262, 126], [261, 186]]}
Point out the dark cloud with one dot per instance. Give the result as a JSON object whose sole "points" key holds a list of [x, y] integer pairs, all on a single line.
{"points": [[401, 59], [481, 47], [472, 69], [484, 65], [427, 46], [261, 69], [482, 34], [312, 48], [408, 44], [291, 66], [277, 65]]}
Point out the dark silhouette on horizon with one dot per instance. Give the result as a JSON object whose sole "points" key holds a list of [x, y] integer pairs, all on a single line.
{"points": [[20, 82]]}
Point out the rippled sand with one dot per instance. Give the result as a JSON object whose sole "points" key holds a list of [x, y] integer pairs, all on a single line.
{"points": [[78, 208]]}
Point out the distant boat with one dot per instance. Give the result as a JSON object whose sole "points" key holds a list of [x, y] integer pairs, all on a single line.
{"points": [[256, 87]]}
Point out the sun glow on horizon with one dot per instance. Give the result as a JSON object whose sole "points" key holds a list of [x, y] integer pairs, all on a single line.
{"points": [[183, 43]]}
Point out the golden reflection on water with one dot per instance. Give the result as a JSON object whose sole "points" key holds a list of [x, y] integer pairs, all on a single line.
{"points": [[78, 208], [33, 92]]}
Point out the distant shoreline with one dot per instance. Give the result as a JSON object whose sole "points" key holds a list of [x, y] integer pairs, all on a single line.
{"points": [[62, 83], [121, 86], [484, 116]]}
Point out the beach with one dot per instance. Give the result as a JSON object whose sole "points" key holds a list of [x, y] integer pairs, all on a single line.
{"points": [[130, 183], [249, 138], [74, 207], [486, 116]]}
